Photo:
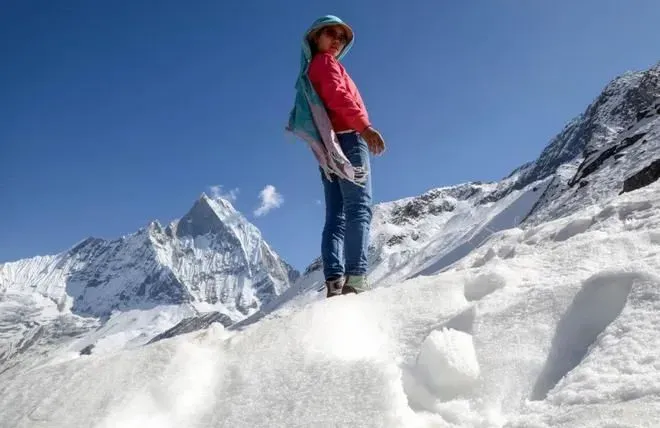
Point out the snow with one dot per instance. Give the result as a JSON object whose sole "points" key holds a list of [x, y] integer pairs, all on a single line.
{"points": [[213, 259], [430, 240], [133, 328], [491, 278], [105, 296], [448, 361], [555, 325], [504, 214]]}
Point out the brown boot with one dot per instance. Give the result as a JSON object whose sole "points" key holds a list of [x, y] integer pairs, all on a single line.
{"points": [[335, 286]]}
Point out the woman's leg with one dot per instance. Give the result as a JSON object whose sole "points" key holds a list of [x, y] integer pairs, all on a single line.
{"points": [[357, 207], [332, 240]]}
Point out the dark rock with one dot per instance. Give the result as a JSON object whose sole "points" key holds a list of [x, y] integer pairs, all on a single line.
{"points": [[30, 339], [419, 207], [496, 195], [87, 350], [411, 210], [591, 165], [632, 140], [189, 325], [644, 177], [396, 239], [644, 114], [440, 208]]}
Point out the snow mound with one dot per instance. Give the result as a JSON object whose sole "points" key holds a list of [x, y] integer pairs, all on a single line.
{"points": [[448, 362], [489, 281]]}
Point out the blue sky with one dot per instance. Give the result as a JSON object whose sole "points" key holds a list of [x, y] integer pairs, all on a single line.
{"points": [[117, 113]]}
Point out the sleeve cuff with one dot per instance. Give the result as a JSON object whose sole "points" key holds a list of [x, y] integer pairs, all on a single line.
{"points": [[361, 123]]}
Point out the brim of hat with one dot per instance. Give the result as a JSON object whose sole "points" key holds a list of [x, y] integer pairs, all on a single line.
{"points": [[349, 32], [346, 27]]}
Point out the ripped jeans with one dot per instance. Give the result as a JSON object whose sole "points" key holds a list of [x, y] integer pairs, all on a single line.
{"points": [[345, 239]]}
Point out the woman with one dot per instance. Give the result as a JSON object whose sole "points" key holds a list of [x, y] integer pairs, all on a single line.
{"points": [[330, 114]]}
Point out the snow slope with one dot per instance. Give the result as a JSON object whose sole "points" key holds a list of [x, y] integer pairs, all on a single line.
{"points": [[552, 326], [617, 137], [422, 235]]}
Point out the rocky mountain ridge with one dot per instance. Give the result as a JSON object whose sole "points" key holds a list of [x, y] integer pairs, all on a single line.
{"points": [[212, 259]]}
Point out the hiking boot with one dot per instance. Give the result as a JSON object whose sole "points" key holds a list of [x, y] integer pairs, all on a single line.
{"points": [[335, 286], [355, 284]]}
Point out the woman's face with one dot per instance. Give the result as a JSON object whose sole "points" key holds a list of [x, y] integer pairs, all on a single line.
{"points": [[331, 39]]}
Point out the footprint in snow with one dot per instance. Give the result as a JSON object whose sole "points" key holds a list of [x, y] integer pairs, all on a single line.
{"points": [[599, 302]]}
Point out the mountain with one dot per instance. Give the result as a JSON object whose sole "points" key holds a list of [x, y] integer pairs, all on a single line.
{"points": [[614, 142], [554, 325], [213, 266], [615, 138], [555, 259], [212, 259]]}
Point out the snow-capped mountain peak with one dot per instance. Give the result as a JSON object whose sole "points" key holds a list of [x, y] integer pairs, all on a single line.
{"points": [[212, 259], [217, 217], [208, 215]]}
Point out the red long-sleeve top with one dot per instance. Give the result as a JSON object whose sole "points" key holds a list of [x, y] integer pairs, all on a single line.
{"points": [[339, 93]]}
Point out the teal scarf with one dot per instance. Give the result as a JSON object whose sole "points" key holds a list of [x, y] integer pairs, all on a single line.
{"points": [[309, 119]]}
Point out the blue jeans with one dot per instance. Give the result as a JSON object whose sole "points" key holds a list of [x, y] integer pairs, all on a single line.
{"points": [[345, 239]]}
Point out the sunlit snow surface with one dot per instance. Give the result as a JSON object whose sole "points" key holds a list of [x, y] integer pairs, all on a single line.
{"points": [[553, 326]]}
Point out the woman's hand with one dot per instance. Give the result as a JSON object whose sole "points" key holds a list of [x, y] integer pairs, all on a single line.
{"points": [[374, 140]]}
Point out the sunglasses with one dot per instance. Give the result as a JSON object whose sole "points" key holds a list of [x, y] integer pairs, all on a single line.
{"points": [[336, 33]]}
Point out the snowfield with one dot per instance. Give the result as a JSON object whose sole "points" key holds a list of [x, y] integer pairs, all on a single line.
{"points": [[554, 325]]}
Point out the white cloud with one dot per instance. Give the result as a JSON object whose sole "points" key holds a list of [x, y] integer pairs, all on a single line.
{"points": [[218, 192], [270, 199]]}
